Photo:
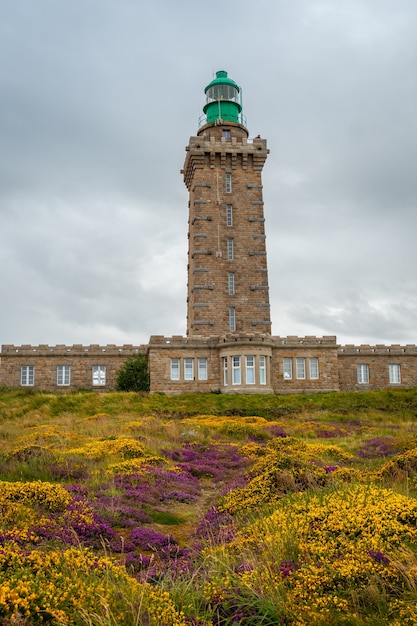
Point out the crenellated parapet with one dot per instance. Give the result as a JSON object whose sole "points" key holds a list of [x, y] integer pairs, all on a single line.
{"points": [[380, 349], [74, 350]]}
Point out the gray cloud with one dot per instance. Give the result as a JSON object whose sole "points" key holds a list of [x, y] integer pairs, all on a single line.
{"points": [[98, 100]]}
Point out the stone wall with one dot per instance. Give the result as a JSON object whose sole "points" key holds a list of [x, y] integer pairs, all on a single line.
{"points": [[335, 367], [81, 359]]}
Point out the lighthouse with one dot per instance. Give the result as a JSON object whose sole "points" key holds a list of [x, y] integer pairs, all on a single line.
{"points": [[228, 289]]}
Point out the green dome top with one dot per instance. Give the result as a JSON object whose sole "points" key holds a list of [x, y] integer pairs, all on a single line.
{"points": [[222, 79]]}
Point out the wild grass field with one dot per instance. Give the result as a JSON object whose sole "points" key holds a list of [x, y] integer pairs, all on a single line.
{"points": [[127, 509]]}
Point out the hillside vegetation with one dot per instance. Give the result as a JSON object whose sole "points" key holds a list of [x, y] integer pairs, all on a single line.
{"points": [[129, 509]]}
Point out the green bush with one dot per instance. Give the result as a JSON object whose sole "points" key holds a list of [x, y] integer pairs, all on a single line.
{"points": [[133, 374]]}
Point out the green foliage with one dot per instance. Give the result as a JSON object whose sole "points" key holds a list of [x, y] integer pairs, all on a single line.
{"points": [[134, 374]]}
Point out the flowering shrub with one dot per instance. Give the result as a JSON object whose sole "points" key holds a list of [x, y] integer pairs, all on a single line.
{"points": [[126, 447]]}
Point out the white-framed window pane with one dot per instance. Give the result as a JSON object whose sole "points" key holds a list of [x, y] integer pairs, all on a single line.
{"points": [[99, 374], [230, 251], [229, 215], [27, 375], [287, 368], [300, 364], [236, 370], [362, 374], [314, 368], [231, 283], [228, 183], [175, 369], [188, 369], [226, 133], [63, 375], [394, 373], [232, 318], [202, 368], [262, 370], [250, 370], [225, 372]]}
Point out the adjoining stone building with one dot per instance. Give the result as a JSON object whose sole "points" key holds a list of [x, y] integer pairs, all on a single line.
{"points": [[228, 346]]}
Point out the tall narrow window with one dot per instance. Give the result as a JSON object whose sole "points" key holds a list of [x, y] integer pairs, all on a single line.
{"points": [[63, 375], [27, 375], [175, 369], [314, 368], [236, 370], [225, 372], [362, 374], [394, 374], [231, 283], [99, 375], [250, 370], [226, 133], [232, 318], [300, 364], [228, 183], [202, 369], [287, 368], [230, 252], [188, 369], [229, 215], [262, 370]]}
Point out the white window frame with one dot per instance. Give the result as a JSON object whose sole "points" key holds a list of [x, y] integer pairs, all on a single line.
{"points": [[394, 370], [188, 369], [262, 369], [250, 369], [63, 375], [231, 281], [236, 375], [228, 183], [225, 371], [362, 373], [287, 368], [202, 368], [98, 375], [27, 375], [175, 369], [313, 364], [230, 249], [229, 215], [232, 319], [300, 367]]}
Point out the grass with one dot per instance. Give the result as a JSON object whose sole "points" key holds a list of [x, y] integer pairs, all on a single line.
{"points": [[208, 509]]}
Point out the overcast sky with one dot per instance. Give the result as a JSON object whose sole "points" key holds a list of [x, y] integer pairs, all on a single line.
{"points": [[98, 99]]}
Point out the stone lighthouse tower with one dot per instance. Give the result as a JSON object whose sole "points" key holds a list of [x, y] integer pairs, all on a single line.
{"points": [[227, 262]]}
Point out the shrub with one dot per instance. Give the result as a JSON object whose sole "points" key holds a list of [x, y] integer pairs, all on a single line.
{"points": [[133, 374]]}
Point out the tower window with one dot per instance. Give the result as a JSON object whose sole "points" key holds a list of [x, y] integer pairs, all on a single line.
{"points": [[226, 133], [231, 283], [362, 372], [175, 369], [232, 318], [228, 183], [250, 370], [230, 251], [63, 375], [236, 370], [394, 374], [27, 375], [229, 215], [99, 374]]}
